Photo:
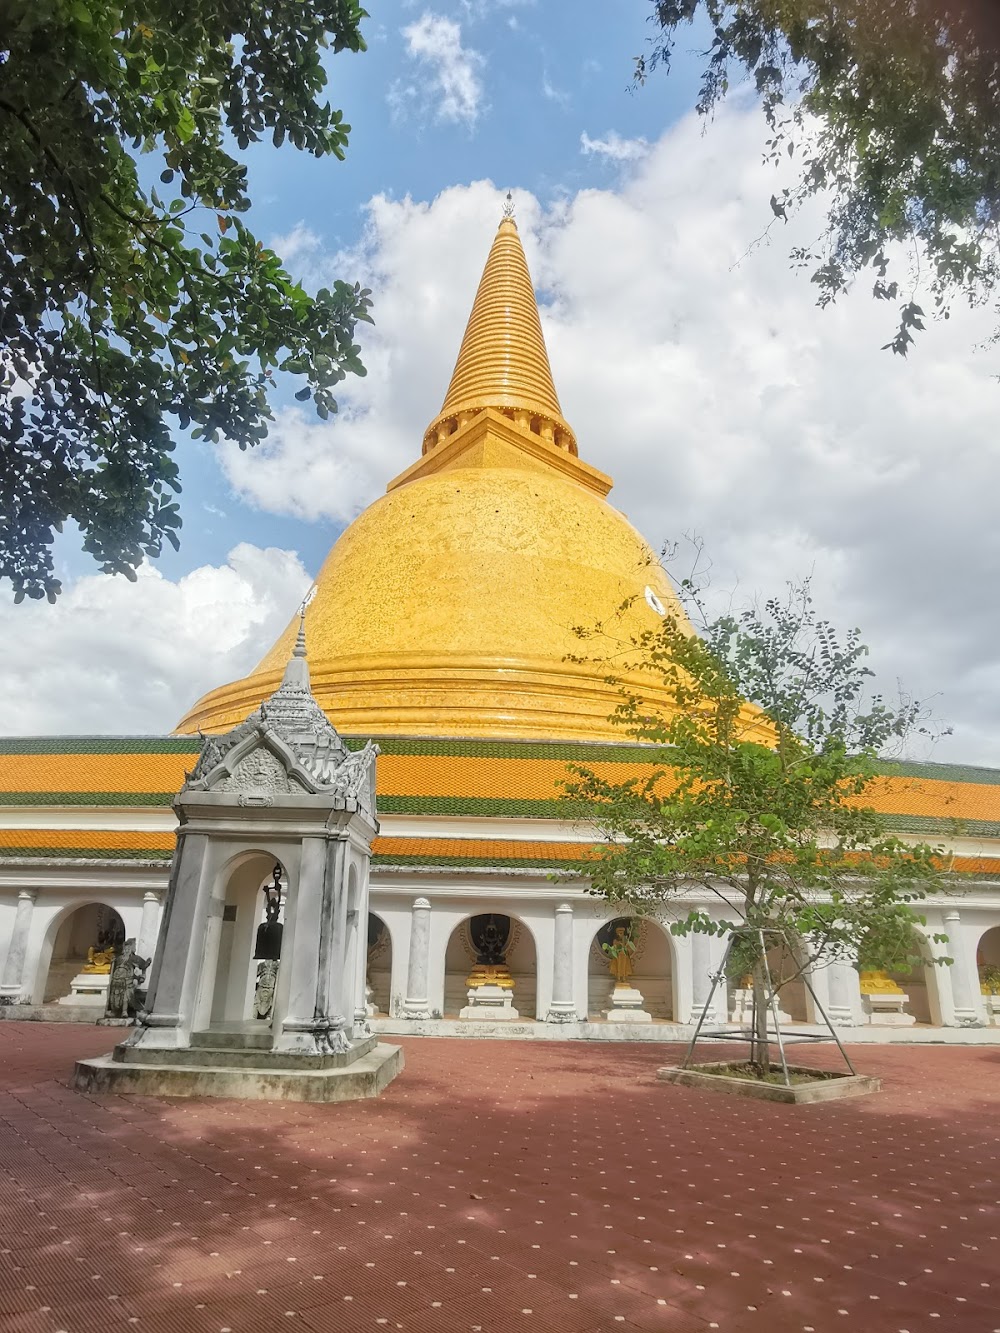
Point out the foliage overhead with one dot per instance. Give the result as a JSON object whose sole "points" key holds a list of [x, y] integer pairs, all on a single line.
{"points": [[766, 754], [891, 109], [133, 298]]}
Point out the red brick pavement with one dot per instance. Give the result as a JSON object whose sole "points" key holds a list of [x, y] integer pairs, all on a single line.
{"points": [[497, 1186]]}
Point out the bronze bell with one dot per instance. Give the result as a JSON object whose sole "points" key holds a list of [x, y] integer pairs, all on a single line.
{"points": [[269, 931]]}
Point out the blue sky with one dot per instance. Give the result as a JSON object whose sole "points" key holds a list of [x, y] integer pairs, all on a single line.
{"points": [[547, 74], [690, 359]]}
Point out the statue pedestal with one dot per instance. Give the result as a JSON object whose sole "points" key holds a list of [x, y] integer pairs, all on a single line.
{"points": [[88, 988], [625, 1006], [490, 1004], [742, 1010], [885, 1009], [371, 1008]]}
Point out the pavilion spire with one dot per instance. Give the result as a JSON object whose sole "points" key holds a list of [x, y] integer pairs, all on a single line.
{"points": [[502, 362]]}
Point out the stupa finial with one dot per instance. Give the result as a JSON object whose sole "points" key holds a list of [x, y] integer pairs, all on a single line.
{"points": [[300, 639], [502, 363], [297, 670]]}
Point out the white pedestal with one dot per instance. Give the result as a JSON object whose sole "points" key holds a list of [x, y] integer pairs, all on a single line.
{"points": [[625, 1006], [885, 1009], [371, 1008], [88, 988], [742, 1010], [490, 1004], [991, 1003]]}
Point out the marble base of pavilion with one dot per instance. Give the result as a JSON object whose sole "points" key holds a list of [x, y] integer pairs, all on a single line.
{"points": [[239, 1065]]}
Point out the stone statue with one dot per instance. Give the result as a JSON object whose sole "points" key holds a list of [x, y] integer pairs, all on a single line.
{"points": [[99, 960], [263, 996], [127, 975]]}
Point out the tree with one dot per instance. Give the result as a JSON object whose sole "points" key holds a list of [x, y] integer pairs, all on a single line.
{"points": [[134, 300], [759, 791], [891, 108]]}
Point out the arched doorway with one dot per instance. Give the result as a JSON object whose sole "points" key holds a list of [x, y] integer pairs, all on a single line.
{"points": [[241, 987], [652, 965], [786, 966], [517, 953], [92, 926], [988, 970], [904, 990], [378, 993]]}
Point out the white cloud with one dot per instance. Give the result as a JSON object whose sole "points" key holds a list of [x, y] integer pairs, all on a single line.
{"points": [[553, 94], [451, 82], [613, 147], [117, 657], [715, 393]]}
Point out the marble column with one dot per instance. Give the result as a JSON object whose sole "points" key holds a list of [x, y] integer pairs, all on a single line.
{"points": [[967, 1014], [701, 981], [417, 1004], [562, 1009], [13, 969], [843, 987], [145, 945]]}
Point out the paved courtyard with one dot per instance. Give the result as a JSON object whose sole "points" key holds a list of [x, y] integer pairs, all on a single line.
{"points": [[501, 1186]]}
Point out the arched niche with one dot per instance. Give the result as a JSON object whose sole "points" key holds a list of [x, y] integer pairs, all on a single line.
{"points": [[378, 967], [69, 936], [988, 948], [786, 964], [653, 968], [919, 982], [520, 957], [233, 979], [988, 971]]}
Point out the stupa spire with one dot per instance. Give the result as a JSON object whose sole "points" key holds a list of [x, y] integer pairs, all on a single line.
{"points": [[503, 363]]}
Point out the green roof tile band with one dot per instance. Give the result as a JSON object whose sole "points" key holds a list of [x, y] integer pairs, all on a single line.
{"points": [[99, 745], [568, 751], [96, 798], [84, 854]]}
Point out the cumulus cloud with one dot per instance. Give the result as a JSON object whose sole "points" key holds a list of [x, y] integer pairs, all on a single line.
{"points": [[449, 83], [614, 147], [139, 654], [721, 400]]}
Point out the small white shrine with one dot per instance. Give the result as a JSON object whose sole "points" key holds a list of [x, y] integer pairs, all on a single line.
{"points": [[276, 822]]}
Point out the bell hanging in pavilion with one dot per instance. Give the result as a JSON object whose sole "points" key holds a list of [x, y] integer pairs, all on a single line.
{"points": [[269, 931], [268, 941]]}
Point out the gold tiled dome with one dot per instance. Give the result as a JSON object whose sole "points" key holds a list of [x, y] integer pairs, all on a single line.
{"points": [[448, 607]]}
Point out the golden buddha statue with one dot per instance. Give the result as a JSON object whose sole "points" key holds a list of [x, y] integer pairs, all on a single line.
{"points": [[874, 981], [619, 953], [99, 960]]}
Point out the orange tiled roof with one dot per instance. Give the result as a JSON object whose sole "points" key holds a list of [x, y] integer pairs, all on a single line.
{"points": [[433, 777]]}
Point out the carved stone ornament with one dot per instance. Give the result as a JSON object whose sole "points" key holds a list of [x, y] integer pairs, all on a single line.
{"points": [[287, 747]]}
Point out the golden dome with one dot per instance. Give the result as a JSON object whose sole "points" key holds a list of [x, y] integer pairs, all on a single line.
{"points": [[448, 607]]}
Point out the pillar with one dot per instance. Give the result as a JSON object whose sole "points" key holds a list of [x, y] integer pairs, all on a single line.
{"points": [[417, 1005], [145, 945], [562, 1009], [842, 983], [13, 969], [963, 996], [701, 981], [361, 1025]]}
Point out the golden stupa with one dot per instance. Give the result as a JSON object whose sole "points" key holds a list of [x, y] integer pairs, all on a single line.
{"points": [[448, 607]]}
